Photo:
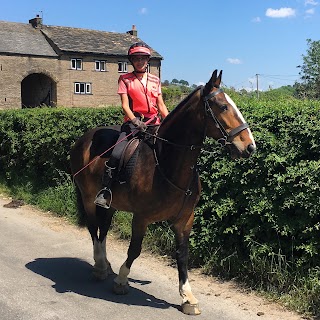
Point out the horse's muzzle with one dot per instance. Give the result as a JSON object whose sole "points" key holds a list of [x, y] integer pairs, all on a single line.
{"points": [[251, 148], [235, 153]]}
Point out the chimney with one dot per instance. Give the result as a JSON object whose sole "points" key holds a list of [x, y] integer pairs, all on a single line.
{"points": [[36, 22], [134, 31]]}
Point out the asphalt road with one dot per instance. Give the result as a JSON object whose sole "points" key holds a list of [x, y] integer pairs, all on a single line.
{"points": [[45, 274]]}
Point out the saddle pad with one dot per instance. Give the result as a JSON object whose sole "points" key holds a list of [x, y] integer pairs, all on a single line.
{"points": [[128, 160], [104, 139]]}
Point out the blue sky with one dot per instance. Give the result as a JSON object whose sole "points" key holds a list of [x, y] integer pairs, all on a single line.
{"points": [[242, 38]]}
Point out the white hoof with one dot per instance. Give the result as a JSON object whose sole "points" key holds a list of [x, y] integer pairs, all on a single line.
{"points": [[190, 309]]}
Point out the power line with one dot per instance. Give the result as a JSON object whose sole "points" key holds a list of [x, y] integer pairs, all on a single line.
{"points": [[279, 75], [279, 78]]}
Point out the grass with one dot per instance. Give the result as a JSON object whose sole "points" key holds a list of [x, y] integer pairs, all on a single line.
{"points": [[267, 273]]}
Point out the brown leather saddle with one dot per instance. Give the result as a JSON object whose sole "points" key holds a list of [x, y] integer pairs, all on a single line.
{"points": [[128, 152]]}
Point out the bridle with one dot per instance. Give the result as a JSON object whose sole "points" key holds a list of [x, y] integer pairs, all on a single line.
{"points": [[227, 137]]}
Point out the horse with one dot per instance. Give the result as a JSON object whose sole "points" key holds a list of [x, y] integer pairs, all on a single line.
{"points": [[164, 182]]}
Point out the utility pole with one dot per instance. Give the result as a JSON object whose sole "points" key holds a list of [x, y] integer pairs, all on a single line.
{"points": [[257, 75]]}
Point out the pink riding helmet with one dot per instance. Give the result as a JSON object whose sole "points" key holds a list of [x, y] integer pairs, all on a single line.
{"points": [[139, 48]]}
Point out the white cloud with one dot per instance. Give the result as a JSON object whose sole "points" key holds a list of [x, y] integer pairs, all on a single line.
{"points": [[280, 13], [310, 11], [234, 61], [311, 2], [143, 11], [256, 19]]}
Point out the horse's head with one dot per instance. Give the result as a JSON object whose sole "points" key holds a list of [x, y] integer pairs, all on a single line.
{"points": [[225, 122]]}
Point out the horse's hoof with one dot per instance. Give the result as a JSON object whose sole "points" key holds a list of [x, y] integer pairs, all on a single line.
{"points": [[102, 274], [190, 309], [120, 289]]}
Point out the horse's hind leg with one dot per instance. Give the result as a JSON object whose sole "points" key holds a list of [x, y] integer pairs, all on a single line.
{"points": [[99, 221], [139, 228], [102, 267], [182, 232]]}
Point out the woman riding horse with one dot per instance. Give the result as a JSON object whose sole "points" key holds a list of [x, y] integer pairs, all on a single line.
{"points": [[164, 184], [141, 99]]}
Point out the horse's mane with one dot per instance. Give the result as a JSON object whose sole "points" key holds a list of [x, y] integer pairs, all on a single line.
{"points": [[180, 105]]}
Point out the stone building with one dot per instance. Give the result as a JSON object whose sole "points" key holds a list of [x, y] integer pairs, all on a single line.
{"points": [[63, 66]]}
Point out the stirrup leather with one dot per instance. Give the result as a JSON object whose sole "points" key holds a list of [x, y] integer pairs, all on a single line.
{"points": [[109, 170]]}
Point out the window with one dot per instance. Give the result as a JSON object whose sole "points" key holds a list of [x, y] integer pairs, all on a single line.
{"points": [[76, 64], [122, 66], [82, 87], [100, 65], [148, 68]]}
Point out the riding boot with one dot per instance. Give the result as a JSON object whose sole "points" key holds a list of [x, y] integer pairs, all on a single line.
{"points": [[101, 198]]}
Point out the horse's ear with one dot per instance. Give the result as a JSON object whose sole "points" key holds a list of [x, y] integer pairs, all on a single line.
{"points": [[211, 83], [218, 81]]}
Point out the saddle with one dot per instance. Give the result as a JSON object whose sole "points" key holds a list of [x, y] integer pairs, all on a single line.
{"points": [[105, 138], [128, 159], [130, 154]]}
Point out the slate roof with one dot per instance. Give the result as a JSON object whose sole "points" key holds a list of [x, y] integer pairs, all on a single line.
{"points": [[22, 38], [91, 41]]}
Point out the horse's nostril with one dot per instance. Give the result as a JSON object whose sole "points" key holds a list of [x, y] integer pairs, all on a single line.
{"points": [[251, 148]]}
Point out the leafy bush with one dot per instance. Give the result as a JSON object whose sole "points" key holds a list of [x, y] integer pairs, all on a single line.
{"points": [[35, 143], [258, 219]]}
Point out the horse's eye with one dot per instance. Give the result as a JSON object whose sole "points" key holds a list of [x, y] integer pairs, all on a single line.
{"points": [[224, 107]]}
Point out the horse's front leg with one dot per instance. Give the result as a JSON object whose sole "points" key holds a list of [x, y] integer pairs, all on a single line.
{"points": [[121, 284], [182, 232]]}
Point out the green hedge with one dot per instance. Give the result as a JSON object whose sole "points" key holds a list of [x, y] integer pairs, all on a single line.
{"points": [[35, 143], [258, 218]]}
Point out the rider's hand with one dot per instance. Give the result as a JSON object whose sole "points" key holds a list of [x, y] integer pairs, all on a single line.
{"points": [[140, 125]]}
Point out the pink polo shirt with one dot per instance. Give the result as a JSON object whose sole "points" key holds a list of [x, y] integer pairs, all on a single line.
{"points": [[142, 97]]}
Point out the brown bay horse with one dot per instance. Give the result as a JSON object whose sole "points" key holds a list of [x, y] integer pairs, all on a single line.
{"points": [[164, 184]]}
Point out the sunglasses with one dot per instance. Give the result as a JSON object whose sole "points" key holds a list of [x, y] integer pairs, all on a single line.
{"points": [[140, 58]]}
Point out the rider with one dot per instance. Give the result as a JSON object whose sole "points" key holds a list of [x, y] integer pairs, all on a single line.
{"points": [[141, 100]]}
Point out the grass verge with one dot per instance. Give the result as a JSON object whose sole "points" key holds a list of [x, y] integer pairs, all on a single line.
{"points": [[297, 291]]}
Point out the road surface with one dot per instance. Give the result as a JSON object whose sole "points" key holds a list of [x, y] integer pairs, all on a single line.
{"points": [[45, 274]]}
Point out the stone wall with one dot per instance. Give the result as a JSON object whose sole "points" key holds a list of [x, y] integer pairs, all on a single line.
{"points": [[15, 68]]}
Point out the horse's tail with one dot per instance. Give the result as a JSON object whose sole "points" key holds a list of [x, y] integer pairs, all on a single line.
{"points": [[81, 217]]}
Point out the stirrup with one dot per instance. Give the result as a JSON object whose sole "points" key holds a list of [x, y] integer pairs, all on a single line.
{"points": [[100, 199]]}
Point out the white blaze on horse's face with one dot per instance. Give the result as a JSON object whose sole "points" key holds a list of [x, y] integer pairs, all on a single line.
{"points": [[238, 142]]}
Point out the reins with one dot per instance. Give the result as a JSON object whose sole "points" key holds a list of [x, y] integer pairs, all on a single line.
{"points": [[226, 138], [104, 152], [100, 155]]}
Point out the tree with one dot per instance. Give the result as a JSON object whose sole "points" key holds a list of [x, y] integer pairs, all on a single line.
{"points": [[166, 83], [184, 82], [310, 72]]}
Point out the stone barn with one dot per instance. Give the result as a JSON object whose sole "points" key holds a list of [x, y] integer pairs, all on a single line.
{"points": [[63, 66]]}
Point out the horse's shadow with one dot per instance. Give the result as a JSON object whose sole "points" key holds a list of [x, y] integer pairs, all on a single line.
{"points": [[74, 275]]}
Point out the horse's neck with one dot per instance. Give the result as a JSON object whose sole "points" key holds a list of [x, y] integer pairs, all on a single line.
{"points": [[185, 126], [183, 137]]}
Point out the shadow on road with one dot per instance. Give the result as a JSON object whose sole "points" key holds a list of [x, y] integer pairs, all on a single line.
{"points": [[74, 275]]}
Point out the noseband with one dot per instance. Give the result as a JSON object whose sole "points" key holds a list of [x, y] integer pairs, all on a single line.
{"points": [[227, 137]]}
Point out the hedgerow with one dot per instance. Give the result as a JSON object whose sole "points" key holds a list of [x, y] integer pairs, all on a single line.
{"points": [[35, 143], [258, 219]]}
